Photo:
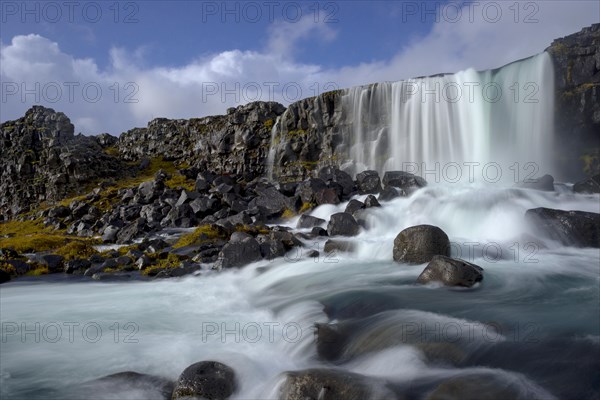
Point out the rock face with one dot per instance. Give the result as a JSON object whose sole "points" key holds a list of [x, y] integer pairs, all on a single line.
{"points": [[42, 160], [576, 60], [451, 272], [329, 384], [418, 244], [589, 185], [206, 379], [571, 228], [236, 143]]}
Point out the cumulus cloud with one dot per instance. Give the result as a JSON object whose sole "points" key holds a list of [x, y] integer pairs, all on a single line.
{"points": [[127, 94]]}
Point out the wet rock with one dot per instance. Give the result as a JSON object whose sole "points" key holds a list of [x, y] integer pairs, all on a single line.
{"points": [[418, 244], [451, 272], [126, 385], [589, 185], [353, 206], [318, 231], [545, 183], [238, 254], [206, 379], [342, 224], [112, 276], [332, 384], [53, 262], [74, 266], [390, 193], [271, 249], [368, 182], [571, 228], [271, 201], [308, 221], [143, 262], [308, 190], [341, 178], [371, 201], [403, 180], [327, 196], [334, 245]]}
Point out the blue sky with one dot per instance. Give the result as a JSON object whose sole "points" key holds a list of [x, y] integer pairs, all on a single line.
{"points": [[178, 59]]}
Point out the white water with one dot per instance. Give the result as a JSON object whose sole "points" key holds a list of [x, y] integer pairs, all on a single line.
{"points": [[534, 291], [502, 116]]}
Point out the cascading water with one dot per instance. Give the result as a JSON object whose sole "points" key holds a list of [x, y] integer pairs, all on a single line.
{"points": [[502, 116], [530, 330]]}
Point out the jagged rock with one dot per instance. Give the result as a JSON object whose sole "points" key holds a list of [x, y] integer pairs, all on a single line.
{"points": [[59, 212], [418, 244], [42, 160], [451, 272], [332, 384], [205, 379], [308, 190], [73, 266], [354, 205], [327, 196], [344, 180], [308, 221], [589, 185], [571, 228], [403, 180], [53, 262], [390, 193], [545, 183], [238, 254], [371, 201], [368, 182], [110, 234], [271, 201], [131, 231], [342, 224]]}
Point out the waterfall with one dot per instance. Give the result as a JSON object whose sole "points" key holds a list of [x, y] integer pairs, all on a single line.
{"points": [[502, 117]]}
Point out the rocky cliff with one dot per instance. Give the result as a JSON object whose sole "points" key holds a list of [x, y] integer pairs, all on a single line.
{"points": [[577, 103], [43, 161]]}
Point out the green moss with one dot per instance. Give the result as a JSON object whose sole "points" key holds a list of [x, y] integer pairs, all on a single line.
{"points": [[76, 249], [297, 133], [40, 270], [201, 234], [112, 151], [8, 268], [172, 261], [180, 181]]}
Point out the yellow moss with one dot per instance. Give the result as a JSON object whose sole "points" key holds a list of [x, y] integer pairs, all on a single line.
{"points": [[180, 181], [201, 234], [172, 261], [297, 132], [35, 242], [253, 230], [41, 270], [306, 206], [269, 124], [287, 214], [76, 249], [8, 268], [112, 151]]}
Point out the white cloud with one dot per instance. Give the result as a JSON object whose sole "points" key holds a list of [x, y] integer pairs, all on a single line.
{"points": [[210, 84]]}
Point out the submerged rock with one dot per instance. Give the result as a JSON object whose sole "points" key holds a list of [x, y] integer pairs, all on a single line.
{"points": [[418, 244], [342, 224], [451, 272], [210, 380], [124, 385], [308, 221], [571, 228], [333, 384]]}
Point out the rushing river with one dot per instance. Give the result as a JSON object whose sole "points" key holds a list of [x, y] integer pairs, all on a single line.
{"points": [[533, 320]]}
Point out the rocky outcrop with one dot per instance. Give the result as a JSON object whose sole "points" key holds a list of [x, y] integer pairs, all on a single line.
{"points": [[576, 60], [43, 161], [571, 228], [236, 143]]}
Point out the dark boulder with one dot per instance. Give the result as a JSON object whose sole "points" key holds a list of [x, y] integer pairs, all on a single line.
{"points": [[418, 244], [589, 185], [308, 190], [354, 205], [571, 228], [390, 193], [451, 272], [238, 254], [403, 180], [341, 178], [74, 266], [131, 231], [308, 221], [271, 201], [342, 224], [327, 196], [368, 182], [371, 201], [53, 262], [332, 384], [209, 380]]}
